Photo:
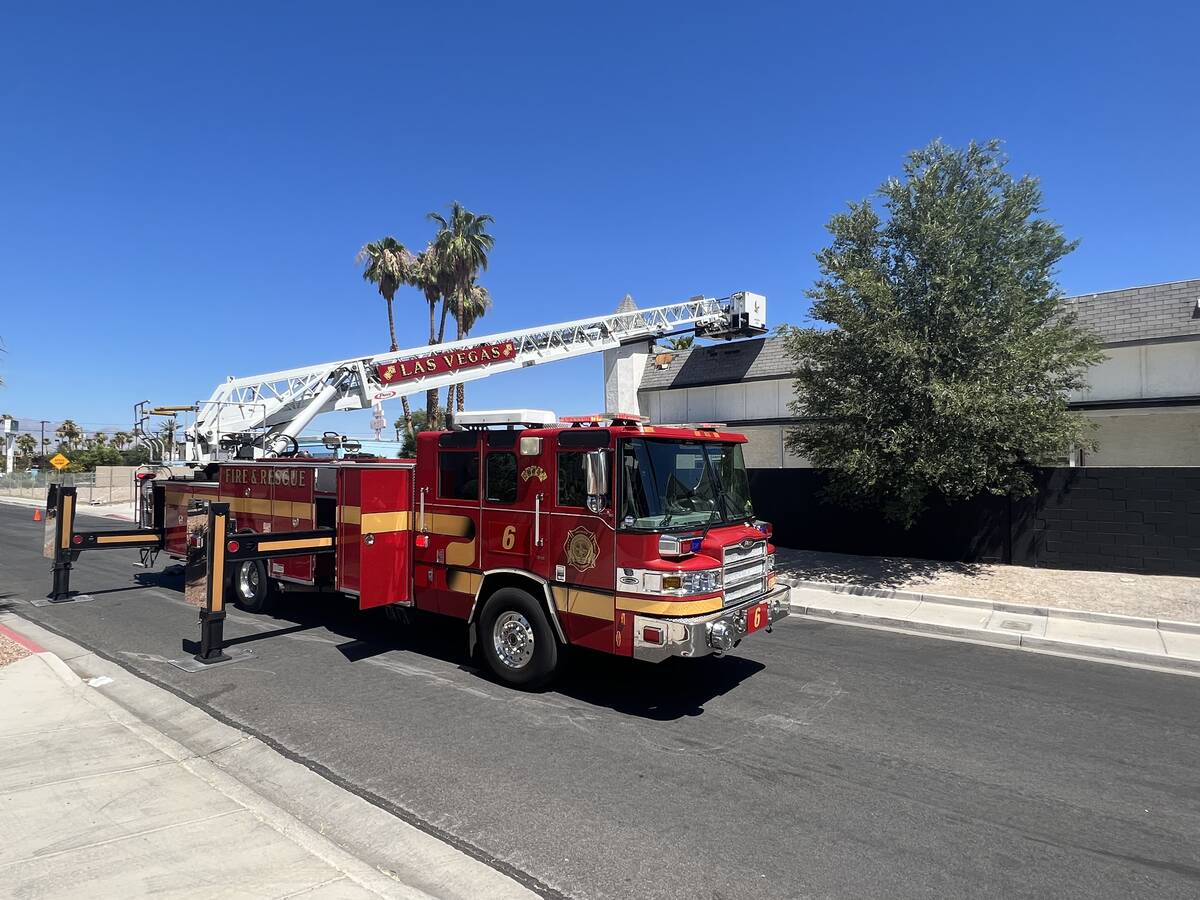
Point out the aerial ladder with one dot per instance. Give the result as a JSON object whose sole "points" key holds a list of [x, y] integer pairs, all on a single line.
{"points": [[263, 415]]}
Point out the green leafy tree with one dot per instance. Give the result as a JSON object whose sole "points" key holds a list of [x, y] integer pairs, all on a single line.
{"points": [[952, 354], [684, 342], [463, 244], [421, 422], [387, 264]]}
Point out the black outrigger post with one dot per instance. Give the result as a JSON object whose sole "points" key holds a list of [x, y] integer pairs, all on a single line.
{"points": [[211, 550], [60, 522], [206, 572], [63, 543]]}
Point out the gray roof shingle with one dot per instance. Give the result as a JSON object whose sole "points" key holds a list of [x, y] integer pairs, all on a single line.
{"points": [[718, 364], [1154, 312], [1148, 313]]}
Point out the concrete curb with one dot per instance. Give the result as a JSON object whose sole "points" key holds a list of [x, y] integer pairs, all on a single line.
{"points": [[1059, 612], [381, 852], [1167, 631]]}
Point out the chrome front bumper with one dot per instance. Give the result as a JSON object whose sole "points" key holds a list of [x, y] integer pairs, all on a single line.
{"points": [[693, 636]]}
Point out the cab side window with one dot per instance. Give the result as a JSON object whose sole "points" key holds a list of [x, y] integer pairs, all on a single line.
{"points": [[502, 478], [572, 480], [458, 475]]}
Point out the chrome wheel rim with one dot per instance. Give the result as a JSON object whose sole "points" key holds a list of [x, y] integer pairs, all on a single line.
{"points": [[248, 581], [513, 638]]}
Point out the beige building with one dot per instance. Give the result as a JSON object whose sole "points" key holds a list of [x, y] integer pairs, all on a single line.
{"points": [[1144, 397]]}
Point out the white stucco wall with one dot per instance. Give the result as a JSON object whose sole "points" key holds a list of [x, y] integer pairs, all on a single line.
{"points": [[1149, 438], [720, 403], [1145, 372]]}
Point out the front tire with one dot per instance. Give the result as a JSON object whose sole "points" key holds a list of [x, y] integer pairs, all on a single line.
{"points": [[251, 588], [517, 641]]}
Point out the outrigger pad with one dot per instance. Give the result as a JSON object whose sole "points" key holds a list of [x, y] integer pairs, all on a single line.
{"points": [[191, 664], [73, 598]]}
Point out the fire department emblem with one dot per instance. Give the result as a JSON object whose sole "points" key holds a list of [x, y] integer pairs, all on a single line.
{"points": [[533, 472], [582, 549]]}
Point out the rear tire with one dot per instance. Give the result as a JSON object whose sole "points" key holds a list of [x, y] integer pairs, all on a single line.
{"points": [[251, 587], [517, 641]]}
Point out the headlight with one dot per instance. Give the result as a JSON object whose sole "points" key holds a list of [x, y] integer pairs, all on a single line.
{"points": [[704, 581], [673, 546]]}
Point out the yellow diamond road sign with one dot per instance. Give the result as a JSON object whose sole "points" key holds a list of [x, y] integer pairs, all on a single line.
{"points": [[59, 461]]}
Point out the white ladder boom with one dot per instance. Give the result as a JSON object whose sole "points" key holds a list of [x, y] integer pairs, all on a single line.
{"points": [[282, 404]]}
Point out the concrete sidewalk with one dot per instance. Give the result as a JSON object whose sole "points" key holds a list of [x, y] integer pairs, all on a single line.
{"points": [[1107, 637], [112, 787], [111, 511]]}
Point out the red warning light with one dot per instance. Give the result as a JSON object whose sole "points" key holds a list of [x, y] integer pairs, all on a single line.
{"points": [[233, 546]]}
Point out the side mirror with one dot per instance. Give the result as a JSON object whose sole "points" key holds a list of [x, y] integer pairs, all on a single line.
{"points": [[596, 467]]}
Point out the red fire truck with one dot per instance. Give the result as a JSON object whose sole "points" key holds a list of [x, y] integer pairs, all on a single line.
{"points": [[608, 533], [604, 532]]}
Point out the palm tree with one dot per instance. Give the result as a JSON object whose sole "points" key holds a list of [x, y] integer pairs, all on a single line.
{"points": [[683, 342], [68, 432], [167, 432], [26, 444], [121, 439], [387, 264], [479, 301], [99, 439], [432, 279], [463, 244], [398, 424]]}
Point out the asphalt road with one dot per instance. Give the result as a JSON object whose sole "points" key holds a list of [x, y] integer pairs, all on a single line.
{"points": [[821, 761]]}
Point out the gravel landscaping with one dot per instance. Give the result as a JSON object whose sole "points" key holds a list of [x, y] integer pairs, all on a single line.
{"points": [[10, 650]]}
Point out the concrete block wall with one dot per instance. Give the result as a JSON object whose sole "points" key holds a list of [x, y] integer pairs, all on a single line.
{"points": [[1119, 519], [1109, 519]]}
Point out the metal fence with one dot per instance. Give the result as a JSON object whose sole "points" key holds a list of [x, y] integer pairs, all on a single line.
{"points": [[32, 485]]}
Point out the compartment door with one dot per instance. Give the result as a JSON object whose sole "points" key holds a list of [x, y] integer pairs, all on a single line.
{"points": [[385, 536]]}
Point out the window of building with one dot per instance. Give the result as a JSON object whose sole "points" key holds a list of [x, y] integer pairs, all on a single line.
{"points": [[502, 478], [458, 475], [572, 479]]}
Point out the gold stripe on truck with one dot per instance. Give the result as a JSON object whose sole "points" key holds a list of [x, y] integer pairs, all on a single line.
{"points": [[463, 582], [380, 522], [669, 607], [126, 538], [581, 602], [295, 544]]}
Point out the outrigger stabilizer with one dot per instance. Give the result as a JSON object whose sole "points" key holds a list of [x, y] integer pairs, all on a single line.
{"points": [[211, 551], [63, 542]]}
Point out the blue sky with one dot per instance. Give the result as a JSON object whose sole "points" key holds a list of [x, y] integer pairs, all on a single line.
{"points": [[183, 188]]}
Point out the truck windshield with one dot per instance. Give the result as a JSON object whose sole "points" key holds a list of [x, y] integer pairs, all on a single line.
{"points": [[667, 484]]}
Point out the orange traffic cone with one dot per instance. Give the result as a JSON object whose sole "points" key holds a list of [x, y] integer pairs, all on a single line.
{"points": [[37, 514]]}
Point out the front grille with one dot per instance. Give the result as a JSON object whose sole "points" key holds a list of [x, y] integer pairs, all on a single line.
{"points": [[745, 571]]}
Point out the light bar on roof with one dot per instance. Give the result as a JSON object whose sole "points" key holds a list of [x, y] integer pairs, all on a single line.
{"points": [[485, 417]]}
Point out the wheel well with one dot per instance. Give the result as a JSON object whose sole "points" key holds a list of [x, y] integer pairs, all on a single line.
{"points": [[494, 581]]}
